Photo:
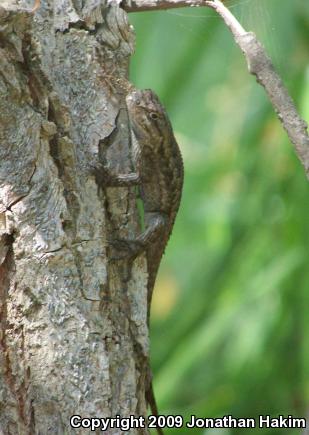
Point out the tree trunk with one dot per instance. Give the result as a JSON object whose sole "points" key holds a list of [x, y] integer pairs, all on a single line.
{"points": [[74, 336]]}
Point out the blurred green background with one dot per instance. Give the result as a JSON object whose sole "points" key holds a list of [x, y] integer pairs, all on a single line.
{"points": [[230, 317]]}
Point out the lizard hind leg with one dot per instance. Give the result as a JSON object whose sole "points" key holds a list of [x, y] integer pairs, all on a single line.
{"points": [[131, 248], [155, 224]]}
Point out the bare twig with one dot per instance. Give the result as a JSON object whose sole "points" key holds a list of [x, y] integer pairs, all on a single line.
{"points": [[149, 5], [259, 64]]}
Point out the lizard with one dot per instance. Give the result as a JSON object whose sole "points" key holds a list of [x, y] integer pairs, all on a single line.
{"points": [[159, 175], [160, 168]]}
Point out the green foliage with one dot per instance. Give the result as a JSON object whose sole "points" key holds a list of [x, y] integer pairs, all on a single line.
{"points": [[230, 315]]}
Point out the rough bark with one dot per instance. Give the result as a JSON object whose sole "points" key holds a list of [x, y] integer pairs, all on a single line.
{"points": [[73, 334]]}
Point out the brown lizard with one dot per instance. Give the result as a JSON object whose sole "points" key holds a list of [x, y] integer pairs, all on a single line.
{"points": [[160, 174], [159, 177], [160, 168]]}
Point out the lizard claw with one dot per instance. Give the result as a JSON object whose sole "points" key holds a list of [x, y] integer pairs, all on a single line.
{"points": [[101, 173]]}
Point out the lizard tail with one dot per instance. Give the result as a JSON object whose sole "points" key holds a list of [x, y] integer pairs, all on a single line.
{"points": [[153, 406]]}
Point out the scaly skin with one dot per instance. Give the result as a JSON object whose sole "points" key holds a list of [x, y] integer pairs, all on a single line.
{"points": [[160, 168], [159, 177]]}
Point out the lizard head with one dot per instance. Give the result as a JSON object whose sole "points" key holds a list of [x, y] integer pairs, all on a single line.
{"points": [[147, 116]]}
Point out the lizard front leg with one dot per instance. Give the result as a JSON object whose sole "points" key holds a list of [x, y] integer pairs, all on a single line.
{"points": [[155, 222], [105, 178]]}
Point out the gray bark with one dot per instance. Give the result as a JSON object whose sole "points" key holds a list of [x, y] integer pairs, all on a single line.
{"points": [[73, 321]]}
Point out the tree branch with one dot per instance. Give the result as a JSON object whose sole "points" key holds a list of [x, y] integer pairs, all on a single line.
{"points": [[259, 64], [155, 5]]}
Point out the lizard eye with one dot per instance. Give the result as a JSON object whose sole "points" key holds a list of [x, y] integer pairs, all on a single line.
{"points": [[138, 102], [153, 115]]}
